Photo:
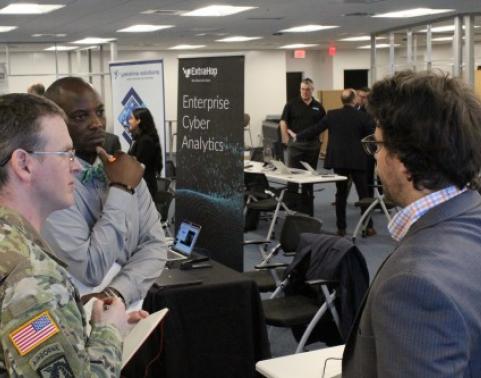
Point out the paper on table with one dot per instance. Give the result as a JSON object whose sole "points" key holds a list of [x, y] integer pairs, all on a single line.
{"points": [[137, 335]]}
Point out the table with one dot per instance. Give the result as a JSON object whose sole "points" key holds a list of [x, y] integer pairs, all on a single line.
{"points": [[302, 177], [305, 365], [215, 329]]}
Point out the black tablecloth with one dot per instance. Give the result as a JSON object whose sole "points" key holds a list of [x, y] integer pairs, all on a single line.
{"points": [[215, 329]]}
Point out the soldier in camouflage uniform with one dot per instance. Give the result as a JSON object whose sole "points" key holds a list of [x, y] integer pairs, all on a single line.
{"points": [[42, 321]]}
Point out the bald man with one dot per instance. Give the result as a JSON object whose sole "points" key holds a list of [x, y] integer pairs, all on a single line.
{"points": [[345, 154], [114, 221]]}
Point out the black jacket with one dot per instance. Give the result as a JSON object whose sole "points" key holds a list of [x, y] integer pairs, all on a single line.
{"points": [[335, 258]]}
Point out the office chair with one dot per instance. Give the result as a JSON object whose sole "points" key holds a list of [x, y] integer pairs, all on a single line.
{"points": [[165, 184], [293, 226], [162, 201], [260, 197], [323, 289], [371, 204], [247, 122]]}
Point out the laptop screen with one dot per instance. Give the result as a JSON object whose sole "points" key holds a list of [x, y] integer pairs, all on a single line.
{"points": [[186, 237]]}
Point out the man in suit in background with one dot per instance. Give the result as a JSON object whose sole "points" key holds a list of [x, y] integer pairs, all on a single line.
{"points": [[347, 126], [422, 316]]}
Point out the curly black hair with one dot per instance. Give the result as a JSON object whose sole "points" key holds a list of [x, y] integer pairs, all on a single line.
{"points": [[432, 123]]}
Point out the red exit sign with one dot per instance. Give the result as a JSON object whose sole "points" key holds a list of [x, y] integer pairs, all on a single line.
{"points": [[299, 54]]}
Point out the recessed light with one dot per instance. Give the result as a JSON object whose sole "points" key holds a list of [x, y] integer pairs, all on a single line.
{"points": [[415, 12], [217, 11], [30, 8], [5, 29], [361, 38], [142, 28], [93, 41], [237, 38], [308, 28], [60, 48], [186, 47], [298, 46], [378, 46]]}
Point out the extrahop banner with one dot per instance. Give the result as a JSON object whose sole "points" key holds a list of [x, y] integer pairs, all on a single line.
{"points": [[210, 141], [137, 84]]}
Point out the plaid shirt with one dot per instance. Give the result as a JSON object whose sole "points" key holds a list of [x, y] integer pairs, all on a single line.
{"points": [[404, 219]]}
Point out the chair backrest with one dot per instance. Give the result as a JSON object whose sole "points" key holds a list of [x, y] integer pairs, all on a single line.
{"points": [[294, 225], [247, 119], [162, 202], [255, 182], [170, 169], [163, 184]]}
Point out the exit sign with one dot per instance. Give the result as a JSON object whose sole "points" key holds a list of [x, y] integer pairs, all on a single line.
{"points": [[332, 51], [299, 54]]}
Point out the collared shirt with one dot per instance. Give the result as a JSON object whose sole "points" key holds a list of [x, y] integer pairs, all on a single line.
{"points": [[404, 219], [300, 116], [34, 285], [108, 225]]}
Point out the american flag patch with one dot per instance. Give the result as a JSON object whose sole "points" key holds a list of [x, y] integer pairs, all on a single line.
{"points": [[33, 333]]}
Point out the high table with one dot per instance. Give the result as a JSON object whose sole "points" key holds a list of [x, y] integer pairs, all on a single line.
{"points": [[215, 329]]}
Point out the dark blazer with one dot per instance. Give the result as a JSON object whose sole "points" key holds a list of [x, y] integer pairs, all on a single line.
{"points": [[111, 143], [422, 317], [347, 126], [147, 152]]}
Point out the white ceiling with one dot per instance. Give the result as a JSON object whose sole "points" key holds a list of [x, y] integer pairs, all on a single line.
{"points": [[101, 18]]}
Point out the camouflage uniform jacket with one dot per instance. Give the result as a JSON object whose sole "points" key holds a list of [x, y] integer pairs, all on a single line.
{"points": [[42, 322]]}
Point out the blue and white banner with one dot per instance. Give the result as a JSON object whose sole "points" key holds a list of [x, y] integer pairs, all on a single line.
{"points": [[138, 84]]}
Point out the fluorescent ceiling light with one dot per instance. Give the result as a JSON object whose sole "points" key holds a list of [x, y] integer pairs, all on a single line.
{"points": [[361, 38], [59, 35], [442, 39], [308, 28], [444, 29], [186, 47], [416, 12], [60, 48], [93, 41], [217, 11], [30, 8], [5, 29], [237, 38], [378, 46], [142, 28], [298, 46]]}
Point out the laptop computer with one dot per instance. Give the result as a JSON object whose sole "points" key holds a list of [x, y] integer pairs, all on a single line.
{"points": [[184, 242], [282, 169], [311, 170]]}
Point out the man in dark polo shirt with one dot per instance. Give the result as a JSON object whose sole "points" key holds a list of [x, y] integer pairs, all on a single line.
{"points": [[299, 114]]}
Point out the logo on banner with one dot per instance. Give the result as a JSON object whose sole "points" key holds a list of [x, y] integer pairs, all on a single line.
{"points": [[130, 102], [204, 73]]}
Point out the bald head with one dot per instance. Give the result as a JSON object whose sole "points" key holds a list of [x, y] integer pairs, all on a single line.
{"points": [[348, 96], [85, 113]]}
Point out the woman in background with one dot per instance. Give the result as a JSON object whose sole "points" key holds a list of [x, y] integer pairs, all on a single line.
{"points": [[146, 146]]}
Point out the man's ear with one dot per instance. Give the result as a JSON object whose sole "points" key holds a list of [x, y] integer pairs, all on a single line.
{"points": [[21, 165]]}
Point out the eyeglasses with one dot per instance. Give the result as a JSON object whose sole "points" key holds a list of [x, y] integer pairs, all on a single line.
{"points": [[70, 154], [371, 145]]}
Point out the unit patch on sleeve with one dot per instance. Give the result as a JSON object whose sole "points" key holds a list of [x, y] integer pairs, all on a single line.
{"points": [[57, 368], [33, 333]]}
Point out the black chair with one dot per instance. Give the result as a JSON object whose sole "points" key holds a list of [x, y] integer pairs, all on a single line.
{"points": [[294, 225], [260, 197], [323, 289], [162, 201], [164, 184], [170, 170]]}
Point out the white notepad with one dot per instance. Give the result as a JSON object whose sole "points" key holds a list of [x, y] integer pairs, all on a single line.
{"points": [[137, 335]]}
